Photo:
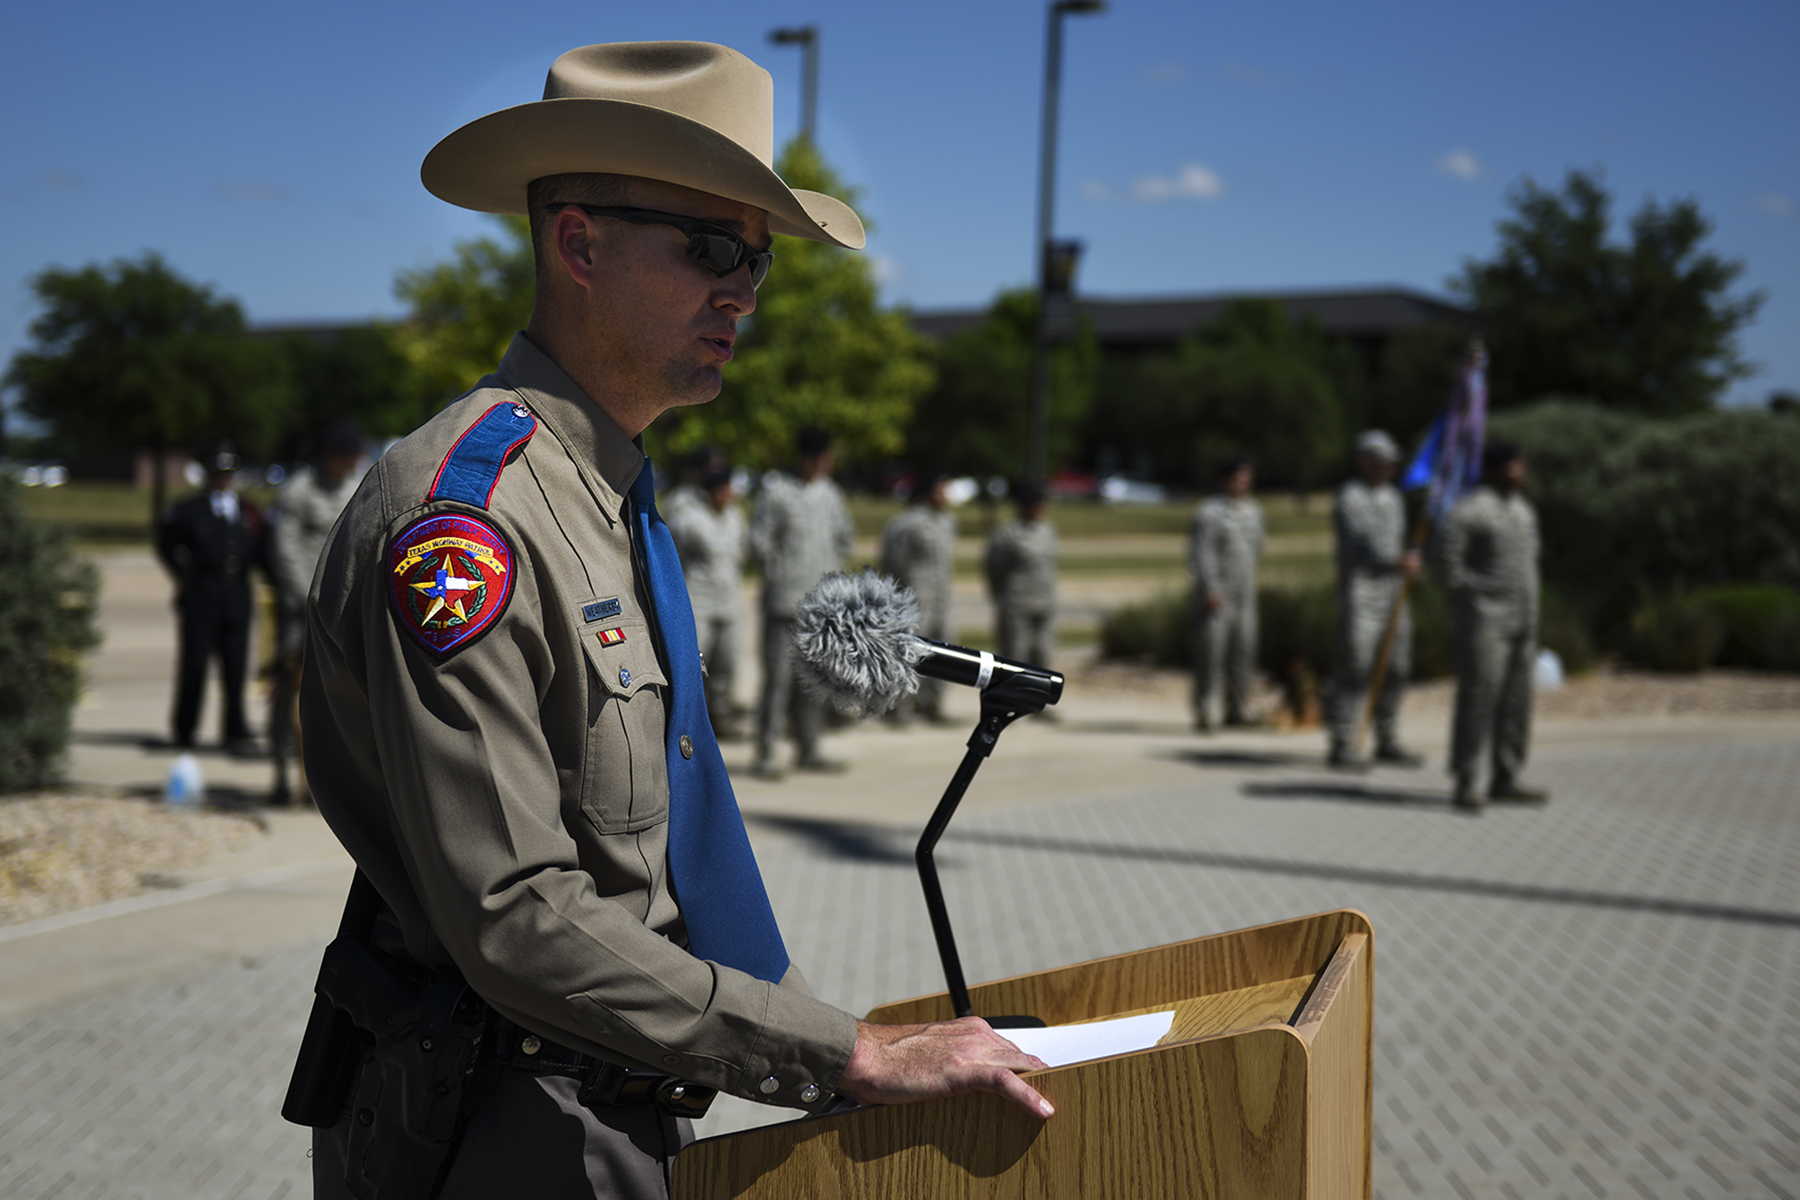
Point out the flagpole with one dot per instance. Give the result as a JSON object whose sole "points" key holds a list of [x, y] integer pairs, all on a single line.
{"points": [[1378, 674], [1444, 491]]}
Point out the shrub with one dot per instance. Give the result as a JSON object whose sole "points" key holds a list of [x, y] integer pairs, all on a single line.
{"points": [[46, 624], [1153, 631], [1564, 628], [1761, 624], [1629, 505], [1675, 632], [1297, 628]]}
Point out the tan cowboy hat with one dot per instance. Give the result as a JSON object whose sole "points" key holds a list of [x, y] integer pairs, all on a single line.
{"points": [[691, 113]]}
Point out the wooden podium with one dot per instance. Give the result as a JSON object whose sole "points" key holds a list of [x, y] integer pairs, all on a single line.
{"points": [[1261, 1089]]}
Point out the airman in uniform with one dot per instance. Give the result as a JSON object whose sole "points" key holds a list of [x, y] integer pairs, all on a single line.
{"points": [[306, 508], [1020, 565], [713, 538], [918, 548], [801, 532], [1225, 542], [1487, 556], [1369, 520]]}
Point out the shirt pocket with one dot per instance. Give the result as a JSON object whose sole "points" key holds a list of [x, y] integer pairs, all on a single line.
{"points": [[625, 786]]}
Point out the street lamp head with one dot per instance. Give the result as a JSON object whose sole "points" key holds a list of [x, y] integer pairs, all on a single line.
{"points": [[800, 36], [1082, 7]]}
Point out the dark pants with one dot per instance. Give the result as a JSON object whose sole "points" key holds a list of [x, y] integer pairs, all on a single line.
{"points": [[532, 1138], [210, 628]]}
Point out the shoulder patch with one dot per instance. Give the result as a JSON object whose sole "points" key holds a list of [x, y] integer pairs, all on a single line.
{"points": [[472, 468], [449, 576]]}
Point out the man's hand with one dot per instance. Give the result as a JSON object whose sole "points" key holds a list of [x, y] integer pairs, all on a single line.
{"points": [[1410, 563], [1215, 601], [898, 1064]]}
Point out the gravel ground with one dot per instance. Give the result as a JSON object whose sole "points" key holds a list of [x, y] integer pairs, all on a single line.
{"points": [[60, 851]]}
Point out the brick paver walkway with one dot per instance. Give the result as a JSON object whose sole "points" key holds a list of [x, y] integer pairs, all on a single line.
{"points": [[1594, 999]]}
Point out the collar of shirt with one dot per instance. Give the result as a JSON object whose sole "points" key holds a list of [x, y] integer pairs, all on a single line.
{"points": [[578, 423], [225, 506]]}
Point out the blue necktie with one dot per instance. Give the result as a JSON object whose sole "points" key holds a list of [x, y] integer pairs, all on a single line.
{"points": [[720, 891]]}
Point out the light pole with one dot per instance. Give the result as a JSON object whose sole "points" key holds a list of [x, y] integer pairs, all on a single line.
{"points": [[1055, 265], [807, 38]]}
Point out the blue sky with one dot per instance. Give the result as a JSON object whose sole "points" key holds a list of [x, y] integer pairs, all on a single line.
{"points": [[273, 151]]}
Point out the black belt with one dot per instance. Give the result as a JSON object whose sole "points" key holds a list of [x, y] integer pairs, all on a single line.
{"points": [[603, 1084]]}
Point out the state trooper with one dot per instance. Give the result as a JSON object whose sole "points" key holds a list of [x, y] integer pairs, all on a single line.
{"points": [[306, 508], [801, 532], [1020, 565], [558, 942], [1486, 553], [1225, 542], [918, 548], [1369, 520], [713, 539]]}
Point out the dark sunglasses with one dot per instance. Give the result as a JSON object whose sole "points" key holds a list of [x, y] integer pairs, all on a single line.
{"points": [[712, 246]]}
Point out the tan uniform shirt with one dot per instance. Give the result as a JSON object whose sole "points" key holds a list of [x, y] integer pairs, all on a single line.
{"points": [[510, 800]]}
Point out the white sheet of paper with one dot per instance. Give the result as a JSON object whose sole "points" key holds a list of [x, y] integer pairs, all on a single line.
{"points": [[1060, 1045]]}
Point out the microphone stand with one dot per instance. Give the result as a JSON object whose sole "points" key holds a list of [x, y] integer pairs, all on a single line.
{"points": [[1003, 702]]}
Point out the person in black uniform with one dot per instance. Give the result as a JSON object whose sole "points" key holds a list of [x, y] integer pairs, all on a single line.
{"points": [[209, 542]]}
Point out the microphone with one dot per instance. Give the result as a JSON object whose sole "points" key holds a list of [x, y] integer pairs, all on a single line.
{"points": [[858, 650]]}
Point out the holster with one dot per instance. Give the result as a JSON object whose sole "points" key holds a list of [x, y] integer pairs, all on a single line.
{"points": [[415, 1034]]}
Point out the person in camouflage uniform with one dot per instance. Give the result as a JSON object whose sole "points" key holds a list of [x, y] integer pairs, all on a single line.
{"points": [[801, 532], [1020, 564], [1486, 553], [712, 537], [1369, 520], [1225, 543], [918, 548], [306, 508]]}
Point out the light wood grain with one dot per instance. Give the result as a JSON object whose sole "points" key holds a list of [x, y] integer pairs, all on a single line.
{"points": [[1338, 1025], [1161, 976], [1217, 1119], [1261, 1090]]}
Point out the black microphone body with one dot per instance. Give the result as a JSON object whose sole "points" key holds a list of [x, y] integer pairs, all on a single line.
{"points": [[960, 665], [857, 648]]}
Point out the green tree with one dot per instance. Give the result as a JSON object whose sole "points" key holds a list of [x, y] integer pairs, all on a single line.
{"points": [[819, 350], [46, 626], [133, 355], [465, 311], [974, 420], [364, 374], [1647, 325], [1252, 383]]}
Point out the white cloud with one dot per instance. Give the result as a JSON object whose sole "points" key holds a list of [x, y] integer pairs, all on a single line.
{"points": [[1460, 164], [1777, 204], [1163, 74], [1094, 189], [1191, 182], [56, 179]]}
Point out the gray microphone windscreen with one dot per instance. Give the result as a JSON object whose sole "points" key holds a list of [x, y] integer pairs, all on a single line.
{"points": [[855, 643]]}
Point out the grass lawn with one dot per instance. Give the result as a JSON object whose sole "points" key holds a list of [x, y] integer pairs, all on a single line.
{"points": [[1097, 539]]}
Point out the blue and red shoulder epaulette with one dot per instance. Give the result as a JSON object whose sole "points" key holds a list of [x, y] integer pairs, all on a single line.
{"points": [[472, 468]]}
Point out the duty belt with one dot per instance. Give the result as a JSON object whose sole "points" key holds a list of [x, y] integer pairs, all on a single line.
{"points": [[603, 1083]]}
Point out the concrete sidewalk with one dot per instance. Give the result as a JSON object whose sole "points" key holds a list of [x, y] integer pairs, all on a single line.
{"points": [[1592, 999]]}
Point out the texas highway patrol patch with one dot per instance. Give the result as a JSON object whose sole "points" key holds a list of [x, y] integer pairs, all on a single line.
{"points": [[451, 576]]}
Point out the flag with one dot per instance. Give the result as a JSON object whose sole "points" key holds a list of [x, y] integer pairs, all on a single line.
{"points": [[1449, 461]]}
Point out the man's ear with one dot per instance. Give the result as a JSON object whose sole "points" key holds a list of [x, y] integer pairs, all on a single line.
{"points": [[575, 241]]}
